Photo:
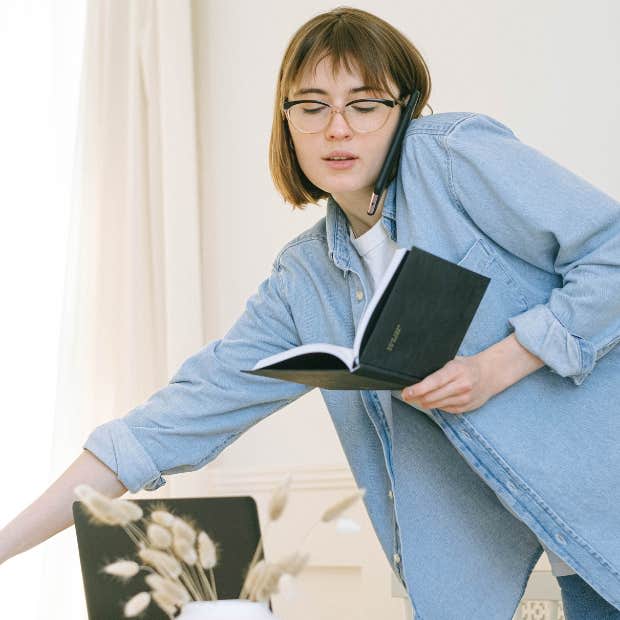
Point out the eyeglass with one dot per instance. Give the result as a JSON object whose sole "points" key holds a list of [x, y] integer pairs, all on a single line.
{"points": [[362, 115]]}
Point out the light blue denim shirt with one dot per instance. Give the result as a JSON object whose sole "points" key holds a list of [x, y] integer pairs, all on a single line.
{"points": [[470, 191]]}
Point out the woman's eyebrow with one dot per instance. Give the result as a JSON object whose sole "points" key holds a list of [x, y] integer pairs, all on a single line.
{"points": [[357, 89]]}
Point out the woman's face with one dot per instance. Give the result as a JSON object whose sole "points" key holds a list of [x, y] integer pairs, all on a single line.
{"points": [[370, 149]]}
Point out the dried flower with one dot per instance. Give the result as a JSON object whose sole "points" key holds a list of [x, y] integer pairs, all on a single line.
{"points": [[170, 542], [185, 551], [122, 568], [163, 517], [137, 604], [339, 507], [251, 579], [162, 562], [183, 531], [98, 506], [206, 551], [159, 536], [279, 499], [264, 579], [293, 563], [107, 511], [132, 511], [164, 602], [175, 591], [267, 583]]}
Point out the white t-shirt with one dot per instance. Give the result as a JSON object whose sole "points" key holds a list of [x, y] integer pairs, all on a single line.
{"points": [[376, 248]]}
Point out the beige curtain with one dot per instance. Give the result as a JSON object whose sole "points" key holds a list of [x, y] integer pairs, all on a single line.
{"points": [[133, 290]]}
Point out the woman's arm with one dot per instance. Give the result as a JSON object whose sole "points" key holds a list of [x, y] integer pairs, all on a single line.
{"points": [[467, 382], [208, 402], [52, 511], [508, 361], [184, 425], [552, 218]]}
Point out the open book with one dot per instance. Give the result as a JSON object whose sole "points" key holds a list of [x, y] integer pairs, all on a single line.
{"points": [[412, 326]]}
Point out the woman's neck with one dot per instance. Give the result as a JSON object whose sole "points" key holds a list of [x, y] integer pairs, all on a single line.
{"points": [[356, 211]]}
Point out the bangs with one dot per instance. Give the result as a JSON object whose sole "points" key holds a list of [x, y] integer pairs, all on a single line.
{"points": [[350, 49]]}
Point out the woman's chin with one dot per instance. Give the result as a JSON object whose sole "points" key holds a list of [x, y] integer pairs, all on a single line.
{"points": [[343, 186]]}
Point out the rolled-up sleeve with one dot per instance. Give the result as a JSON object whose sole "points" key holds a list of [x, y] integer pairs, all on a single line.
{"points": [[554, 219], [208, 402]]}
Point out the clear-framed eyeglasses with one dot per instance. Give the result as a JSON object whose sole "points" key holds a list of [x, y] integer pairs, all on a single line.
{"points": [[362, 115]]}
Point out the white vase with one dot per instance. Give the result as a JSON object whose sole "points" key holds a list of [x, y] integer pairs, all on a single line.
{"points": [[226, 609]]}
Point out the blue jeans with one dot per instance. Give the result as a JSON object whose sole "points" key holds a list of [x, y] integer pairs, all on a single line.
{"points": [[582, 602]]}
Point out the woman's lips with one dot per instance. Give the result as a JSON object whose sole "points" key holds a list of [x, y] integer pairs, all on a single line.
{"points": [[339, 164]]}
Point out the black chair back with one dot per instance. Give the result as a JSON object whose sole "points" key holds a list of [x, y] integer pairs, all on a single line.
{"points": [[231, 522]]}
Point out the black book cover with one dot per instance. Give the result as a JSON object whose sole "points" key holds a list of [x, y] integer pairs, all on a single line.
{"points": [[413, 326]]}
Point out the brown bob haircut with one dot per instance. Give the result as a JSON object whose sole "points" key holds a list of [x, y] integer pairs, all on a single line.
{"points": [[351, 38]]}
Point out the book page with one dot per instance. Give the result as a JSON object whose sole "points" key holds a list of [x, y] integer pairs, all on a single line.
{"points": [[372, 304], [343, 353]]}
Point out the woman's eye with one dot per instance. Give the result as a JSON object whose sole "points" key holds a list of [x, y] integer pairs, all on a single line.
{"points": [[313, 110], [364, 108]]}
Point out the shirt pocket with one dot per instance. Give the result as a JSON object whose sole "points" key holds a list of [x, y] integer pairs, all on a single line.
{"points": [[502, 299]]}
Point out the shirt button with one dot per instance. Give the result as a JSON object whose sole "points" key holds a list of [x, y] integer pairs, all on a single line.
{"points": [[359, 295], [397, 558], [390, 494]]}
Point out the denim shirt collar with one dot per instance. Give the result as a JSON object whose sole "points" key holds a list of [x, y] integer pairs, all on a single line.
{"points": [[338, 241]]}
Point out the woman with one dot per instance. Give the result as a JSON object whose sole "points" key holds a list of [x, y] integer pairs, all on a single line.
{"points": [[507, 448]]}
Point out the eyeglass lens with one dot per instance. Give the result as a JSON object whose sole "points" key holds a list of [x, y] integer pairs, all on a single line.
{"points": [[361, 116]]}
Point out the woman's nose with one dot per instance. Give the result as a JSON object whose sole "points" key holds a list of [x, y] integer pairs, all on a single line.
{"points": [[337, 125]]}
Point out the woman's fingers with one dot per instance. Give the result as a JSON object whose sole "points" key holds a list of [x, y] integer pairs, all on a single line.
{"points": [[458, 387], [436, 397], [454, 405]]}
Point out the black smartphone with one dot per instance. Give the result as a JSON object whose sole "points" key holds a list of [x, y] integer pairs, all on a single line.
{"points": [[391, 158]]}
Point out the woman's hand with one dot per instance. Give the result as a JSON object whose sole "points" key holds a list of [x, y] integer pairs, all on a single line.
{"points": [[467, 382], [461, 385]]}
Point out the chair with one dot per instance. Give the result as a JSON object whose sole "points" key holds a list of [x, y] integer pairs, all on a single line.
{"points": [[231, 522]]}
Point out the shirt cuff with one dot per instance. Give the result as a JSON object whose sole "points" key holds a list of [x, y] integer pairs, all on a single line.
{"points": [[114, 444], [540, 331]]}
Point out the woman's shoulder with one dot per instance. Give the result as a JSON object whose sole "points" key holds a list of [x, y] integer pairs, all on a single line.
{"points": [[446, 123], [313, 238]]}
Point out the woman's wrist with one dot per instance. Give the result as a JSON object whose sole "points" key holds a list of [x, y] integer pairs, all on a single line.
{"points": [[507, 362]]}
